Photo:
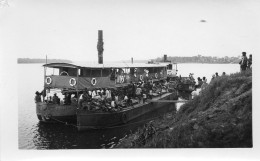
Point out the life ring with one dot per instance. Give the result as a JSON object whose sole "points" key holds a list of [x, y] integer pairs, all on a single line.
{"points": [[124, 118], [93, 81], [72, 82], [156, 75], [48, 80], [141, 77], [122, 79]]}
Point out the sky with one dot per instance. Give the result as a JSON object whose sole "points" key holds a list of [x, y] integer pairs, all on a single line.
{"points": [[142, 29]]}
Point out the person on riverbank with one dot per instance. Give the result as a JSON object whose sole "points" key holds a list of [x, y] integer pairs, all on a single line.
{"points": [[249, 62], [243, 62], [204, 84], [199, 83], [213, 77]]}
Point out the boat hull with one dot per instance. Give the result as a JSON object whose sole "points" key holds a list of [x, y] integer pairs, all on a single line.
{"points": [[48, 112], [94, 120]]}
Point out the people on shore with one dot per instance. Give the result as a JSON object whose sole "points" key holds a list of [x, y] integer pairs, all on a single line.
{"points": [[199, 83], [243, 62], [204, 84], [213, 77], [249, 62]]}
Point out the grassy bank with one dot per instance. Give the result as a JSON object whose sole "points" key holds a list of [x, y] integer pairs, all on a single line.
{"points": [[221, 116]]}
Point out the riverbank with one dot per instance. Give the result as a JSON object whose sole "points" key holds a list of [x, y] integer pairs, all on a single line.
{"points": [[220, 117]]}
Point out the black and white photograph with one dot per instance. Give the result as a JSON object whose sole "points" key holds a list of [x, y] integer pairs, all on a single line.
{"points": [[106, 78]]}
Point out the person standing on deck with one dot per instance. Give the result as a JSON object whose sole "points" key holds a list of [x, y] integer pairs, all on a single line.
{"points": [[133, 89], [243, 62], [93, 93], [37, 97], [108, 94], [55, 99], [138, 93]]}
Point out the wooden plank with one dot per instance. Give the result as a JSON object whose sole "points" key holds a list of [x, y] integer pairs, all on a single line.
{"points": [[170, 101]]}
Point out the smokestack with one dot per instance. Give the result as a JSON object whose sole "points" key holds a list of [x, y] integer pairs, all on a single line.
{"points": [[164, 58], [132, 60], [100, 47]]}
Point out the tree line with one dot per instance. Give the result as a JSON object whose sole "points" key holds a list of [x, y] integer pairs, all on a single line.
{"points": [[36, 60], [201, 59]]}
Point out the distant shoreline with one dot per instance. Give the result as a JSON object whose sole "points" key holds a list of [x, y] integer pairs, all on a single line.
{"points": [[174, 60]]}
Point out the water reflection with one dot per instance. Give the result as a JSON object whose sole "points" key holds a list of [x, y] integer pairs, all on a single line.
{"points": [[61, 136]]}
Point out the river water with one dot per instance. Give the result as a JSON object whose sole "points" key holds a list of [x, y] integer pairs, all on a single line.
{"points": [[36, 135]]}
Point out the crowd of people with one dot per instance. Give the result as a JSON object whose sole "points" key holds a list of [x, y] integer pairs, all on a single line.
{"points": [[245, 63], [105, 99], [109, 99]]}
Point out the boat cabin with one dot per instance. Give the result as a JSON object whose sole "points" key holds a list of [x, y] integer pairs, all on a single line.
{"points": [[79, 77]]}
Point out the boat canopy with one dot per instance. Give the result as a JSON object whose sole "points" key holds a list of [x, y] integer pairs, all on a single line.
{"points": [[100, 66]]}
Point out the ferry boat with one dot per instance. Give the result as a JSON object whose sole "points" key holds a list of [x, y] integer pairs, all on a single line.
{"points": [[65, 82]]}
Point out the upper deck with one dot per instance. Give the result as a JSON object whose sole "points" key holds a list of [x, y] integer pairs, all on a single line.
{"points": [[90, 75]]}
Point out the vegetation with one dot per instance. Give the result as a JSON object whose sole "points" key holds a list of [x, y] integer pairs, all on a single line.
{"points": [[28, 60], [220, 116], [202, 59]]}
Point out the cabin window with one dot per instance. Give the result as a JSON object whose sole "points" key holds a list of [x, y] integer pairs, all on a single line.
{"points": [[52, 71], [96, 73], [106, 72], [150, 70], [113, 74], [155, 70], [132, 70], [72, 72], [64, 71], [86, 72]]}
